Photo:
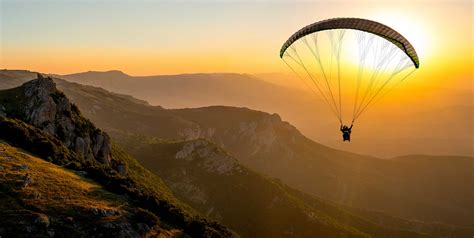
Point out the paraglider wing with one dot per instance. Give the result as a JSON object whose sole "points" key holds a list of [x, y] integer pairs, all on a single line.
{"points": [[356, 24]]}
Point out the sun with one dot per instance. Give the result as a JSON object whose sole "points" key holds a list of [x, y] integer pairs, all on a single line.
{"points": [[410, 27]]}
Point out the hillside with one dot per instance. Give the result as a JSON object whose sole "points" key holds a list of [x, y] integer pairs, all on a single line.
{"points": [[268, 145], [199, 89], [42, 199], [214, 183], [203, 175], [40, 119]]}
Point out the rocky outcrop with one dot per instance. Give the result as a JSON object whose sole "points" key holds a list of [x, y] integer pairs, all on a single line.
{"points": [[261, 134], [2, 111], [192, 132], [209, 157], [50, 110], [255, 136]]}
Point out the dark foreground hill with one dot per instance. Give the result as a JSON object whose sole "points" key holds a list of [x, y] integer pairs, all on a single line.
{"points": [[39, 119]]}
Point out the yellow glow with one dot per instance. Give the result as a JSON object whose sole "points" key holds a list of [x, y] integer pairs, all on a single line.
{"points": [[414, 30], [441, 33]]}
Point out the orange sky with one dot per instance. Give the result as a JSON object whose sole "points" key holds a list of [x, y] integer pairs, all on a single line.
{"points": [[152, 37]]}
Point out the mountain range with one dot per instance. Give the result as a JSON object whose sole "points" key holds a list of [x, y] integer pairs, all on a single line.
{"points": [[240, 167], [437, 121], [268, 145]]}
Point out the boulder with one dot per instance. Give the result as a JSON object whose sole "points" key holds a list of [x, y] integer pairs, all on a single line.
{"points": [[42, 220]]}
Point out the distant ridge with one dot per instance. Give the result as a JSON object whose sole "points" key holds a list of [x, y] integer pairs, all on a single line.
{"points": [[111, 74]]}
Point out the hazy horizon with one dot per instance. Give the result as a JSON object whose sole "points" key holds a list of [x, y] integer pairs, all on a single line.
{"points": [[195, 37]]}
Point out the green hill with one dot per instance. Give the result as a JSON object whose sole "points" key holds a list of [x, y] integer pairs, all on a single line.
{"points": [[39, 198]]}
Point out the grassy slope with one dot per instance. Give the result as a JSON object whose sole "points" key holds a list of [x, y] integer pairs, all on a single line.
{"points": [[31, 188]]}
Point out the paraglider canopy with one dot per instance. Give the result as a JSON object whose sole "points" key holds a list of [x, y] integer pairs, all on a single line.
{"points": [[356, 65], [356, 24]]}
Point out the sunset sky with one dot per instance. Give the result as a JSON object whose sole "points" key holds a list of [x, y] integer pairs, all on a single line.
{"points": [[169, 37]]}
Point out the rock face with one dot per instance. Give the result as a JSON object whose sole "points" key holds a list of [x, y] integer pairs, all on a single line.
{"points": [[50, 110], [192, 171], [253, 139], [2, 111], [211, 159]]}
